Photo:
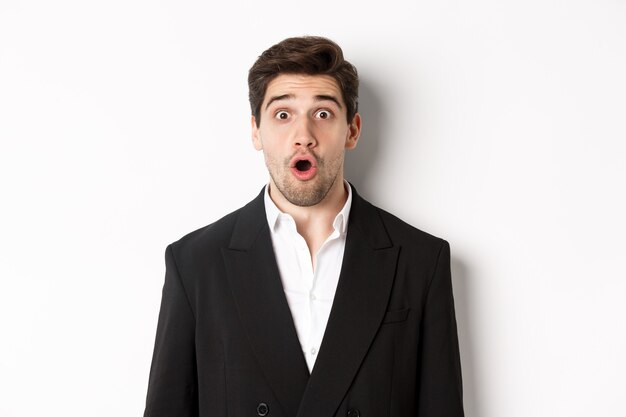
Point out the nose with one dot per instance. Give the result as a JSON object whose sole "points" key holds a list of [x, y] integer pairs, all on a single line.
{"points": [[303, 134]]}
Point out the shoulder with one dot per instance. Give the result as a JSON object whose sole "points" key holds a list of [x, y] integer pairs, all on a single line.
{"points": [[219, 234], [420, 252], [216, 233], [405, 235], [399, 229]]}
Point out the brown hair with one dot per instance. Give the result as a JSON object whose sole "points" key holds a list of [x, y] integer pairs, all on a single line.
{"points": [[310, 55]]}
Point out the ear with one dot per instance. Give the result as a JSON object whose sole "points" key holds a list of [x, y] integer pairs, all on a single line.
{"points": [[354, 131], [256, 135]]}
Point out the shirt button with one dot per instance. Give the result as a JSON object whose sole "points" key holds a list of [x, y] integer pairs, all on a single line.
{"points": [[313, 351], [313, 297]]}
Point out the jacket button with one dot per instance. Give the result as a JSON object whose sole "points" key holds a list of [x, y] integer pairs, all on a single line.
{"points": [[262, 409], [353, 412]]}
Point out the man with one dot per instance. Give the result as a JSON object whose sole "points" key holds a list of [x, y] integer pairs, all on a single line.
{"points": [[308, 301]]}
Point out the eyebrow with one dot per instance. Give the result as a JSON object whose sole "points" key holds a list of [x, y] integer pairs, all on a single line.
{"points": [[319, 97], [324, 97]]}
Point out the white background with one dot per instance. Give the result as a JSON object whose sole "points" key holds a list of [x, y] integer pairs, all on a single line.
{"points": [[497, 125]]}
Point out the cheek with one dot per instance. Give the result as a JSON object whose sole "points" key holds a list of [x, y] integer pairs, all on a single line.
{"points": [[274, 136], [332, 133], [272, 156], [341, 136]]}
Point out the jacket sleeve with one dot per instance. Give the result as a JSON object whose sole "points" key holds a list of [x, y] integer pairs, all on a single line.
{"points": [[172, 387], [440, 392]]}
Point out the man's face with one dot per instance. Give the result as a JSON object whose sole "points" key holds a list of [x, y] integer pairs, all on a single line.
{"points": [[303, 134]]}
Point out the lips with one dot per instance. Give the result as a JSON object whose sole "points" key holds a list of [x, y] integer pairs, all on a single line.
{"points": [[303, 167]]}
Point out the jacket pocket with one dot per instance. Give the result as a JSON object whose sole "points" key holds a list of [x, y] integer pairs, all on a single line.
{"points": [[396, 316]]}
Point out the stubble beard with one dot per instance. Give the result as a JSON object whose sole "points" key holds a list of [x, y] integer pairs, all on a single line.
{"points": [[306, 193]]}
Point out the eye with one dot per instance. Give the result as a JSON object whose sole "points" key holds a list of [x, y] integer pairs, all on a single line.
{"points": [[323, 114], [282, 115]]}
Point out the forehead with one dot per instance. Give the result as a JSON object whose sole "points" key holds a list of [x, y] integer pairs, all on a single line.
{"points": [[303, 86]]}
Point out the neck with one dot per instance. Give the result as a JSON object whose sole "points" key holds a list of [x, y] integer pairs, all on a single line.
{"points": [[314, 223]]}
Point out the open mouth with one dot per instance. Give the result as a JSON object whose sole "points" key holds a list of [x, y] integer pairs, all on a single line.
{"points": [[303, 165]]}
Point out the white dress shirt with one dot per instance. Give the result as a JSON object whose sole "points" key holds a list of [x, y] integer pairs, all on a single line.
{"points": [[310, 289]]}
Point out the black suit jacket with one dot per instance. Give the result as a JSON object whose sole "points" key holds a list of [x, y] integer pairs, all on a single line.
{"points": [[226, 344]]}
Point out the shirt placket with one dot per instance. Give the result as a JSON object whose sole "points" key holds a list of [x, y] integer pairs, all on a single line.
{"points": [[317, 271], [303, 257]]}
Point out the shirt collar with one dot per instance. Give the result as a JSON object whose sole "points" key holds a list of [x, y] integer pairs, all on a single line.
{"points": [[340, 224]]}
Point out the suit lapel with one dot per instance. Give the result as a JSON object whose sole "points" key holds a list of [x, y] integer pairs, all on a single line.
{"points": [[257, 289], [359, 306]]}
